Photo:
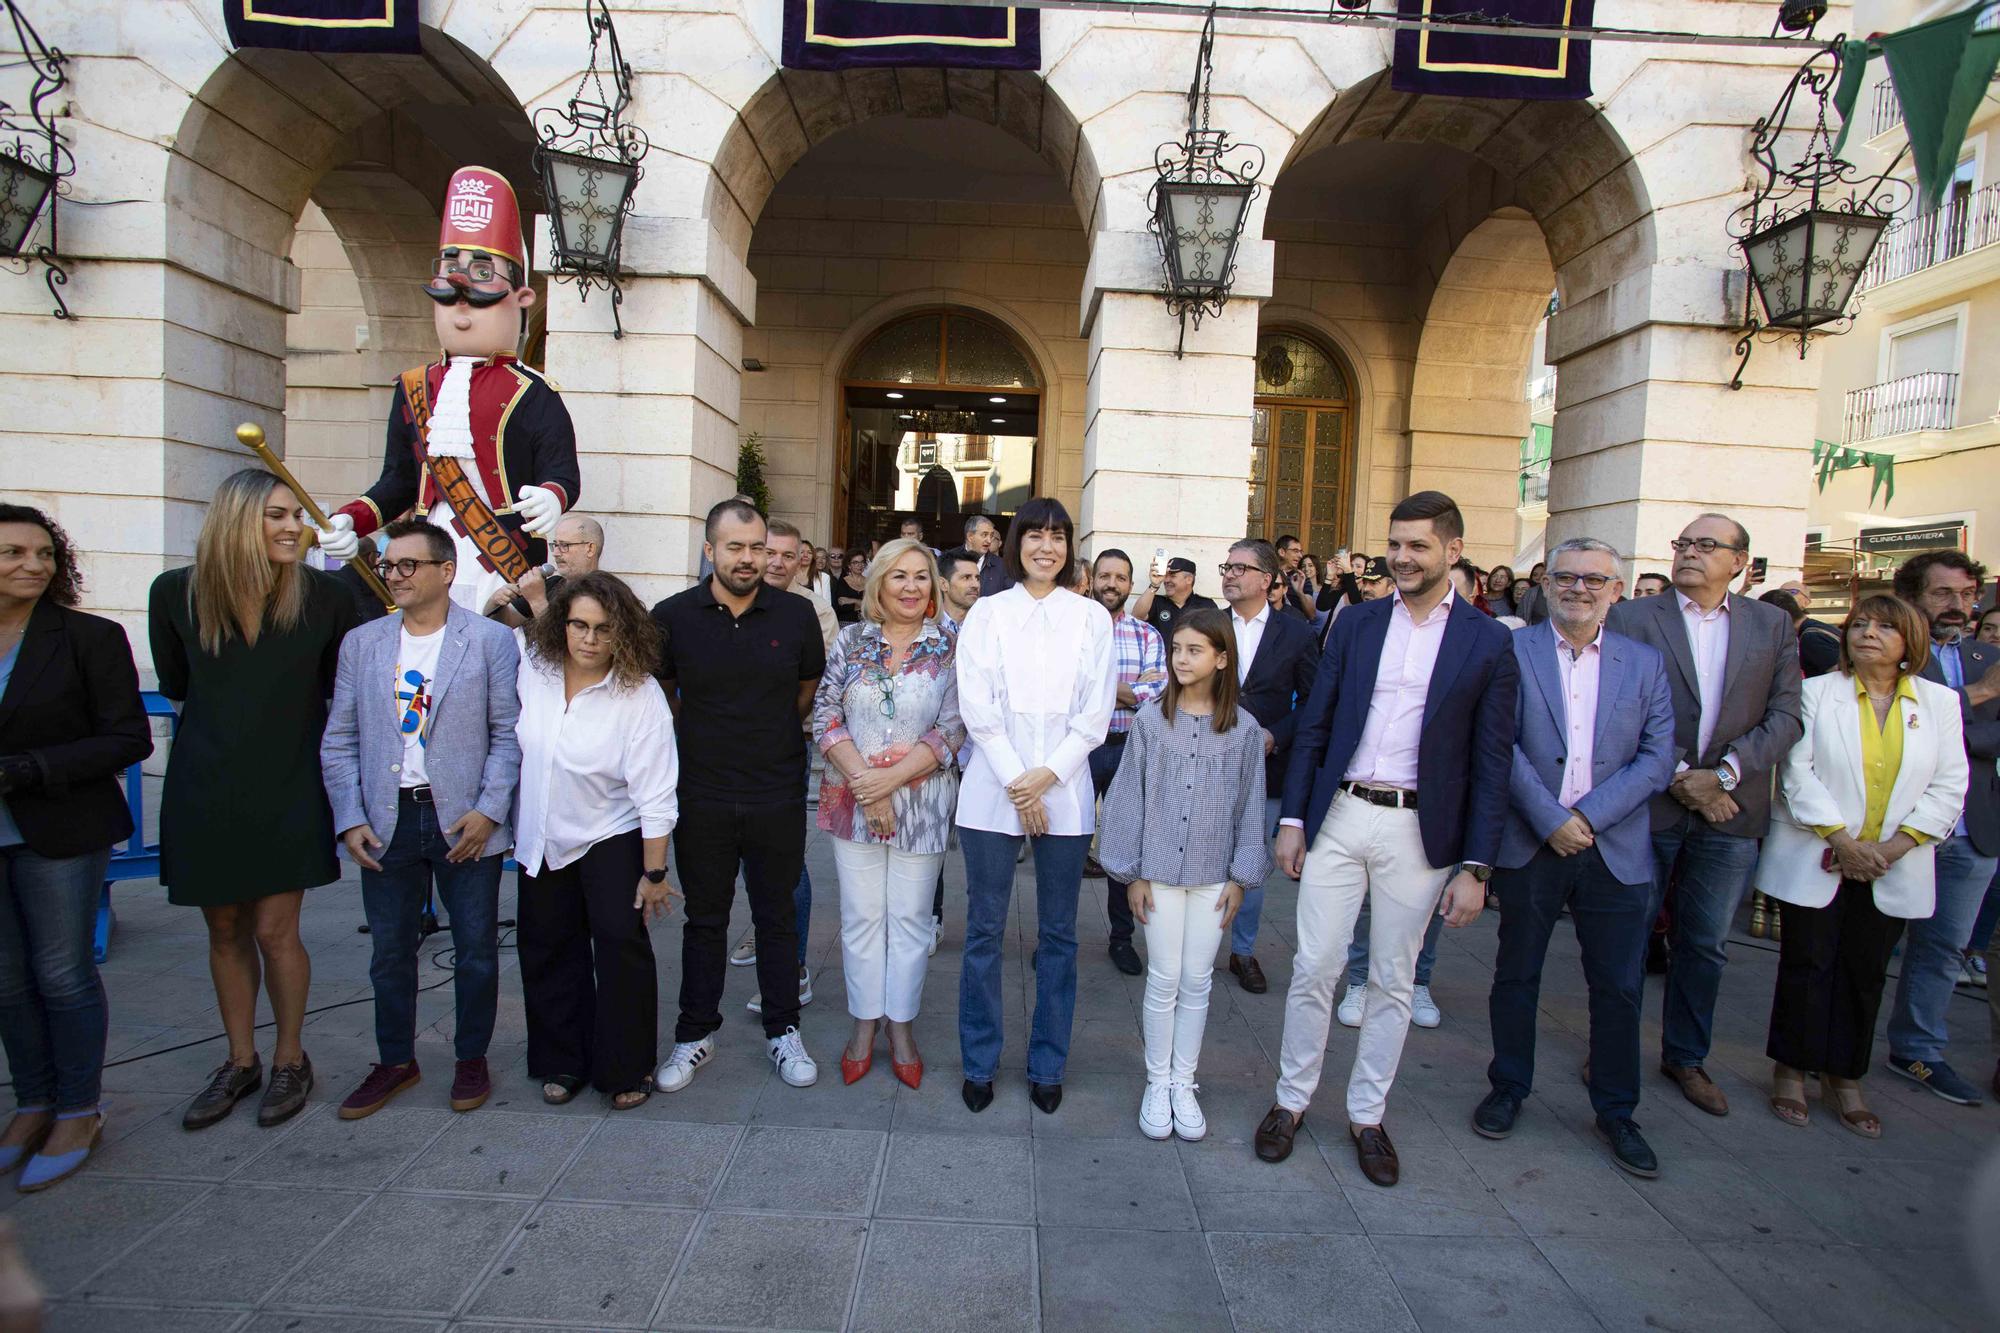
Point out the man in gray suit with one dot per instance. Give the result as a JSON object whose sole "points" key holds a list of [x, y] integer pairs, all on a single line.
{"points": [[420, 763], [1944, 585], [1733, 667]]}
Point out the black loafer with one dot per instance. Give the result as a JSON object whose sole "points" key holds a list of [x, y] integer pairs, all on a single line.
{"points": [[1629, 1148], [1126, 958], [978, 1096], [1494, 1117], [228, 1085], [1046, 1096]]}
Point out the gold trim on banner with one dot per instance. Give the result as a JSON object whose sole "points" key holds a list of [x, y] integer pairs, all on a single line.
{"points": [[388, 19], [904, 39], [1561, 69]]}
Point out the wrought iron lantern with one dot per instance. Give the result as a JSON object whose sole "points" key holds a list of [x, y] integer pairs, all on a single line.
{"points": [[1200, 202], [588, 159], [35, 163], [1808, 231]]}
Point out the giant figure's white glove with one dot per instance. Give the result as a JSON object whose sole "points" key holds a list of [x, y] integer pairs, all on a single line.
{"points": [[337, 538], [539, 508]]}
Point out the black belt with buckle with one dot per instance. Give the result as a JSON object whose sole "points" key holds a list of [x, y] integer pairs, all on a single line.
{"points": [[420, 795], [1393, 797]]}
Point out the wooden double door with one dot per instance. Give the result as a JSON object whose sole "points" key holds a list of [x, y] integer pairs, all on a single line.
{"points": [[1301, 474]]}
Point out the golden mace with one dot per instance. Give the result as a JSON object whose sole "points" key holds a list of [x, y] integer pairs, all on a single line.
{"points": [[251, 436]]}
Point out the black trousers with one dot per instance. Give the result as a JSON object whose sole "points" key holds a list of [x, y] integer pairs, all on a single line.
{"points": [[768, 842], [593, 999], [1831, 962], [1104, 761]]}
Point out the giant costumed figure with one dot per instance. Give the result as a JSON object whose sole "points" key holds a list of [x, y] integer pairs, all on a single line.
{"points": [[469, 429]]}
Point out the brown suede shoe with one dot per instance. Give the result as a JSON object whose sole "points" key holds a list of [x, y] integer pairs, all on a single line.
{"points": [[1698, 1087], [1244, 967], [1376, 1154], [1275, 1134]]}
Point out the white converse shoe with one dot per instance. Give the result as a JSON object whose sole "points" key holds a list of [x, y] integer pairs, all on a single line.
{"points": [[937, 937], [745, 952], [1424, 1011], [1156, 1116], [677, 1071], [788, 1053], [1351, 1005], [1189, 1122]]}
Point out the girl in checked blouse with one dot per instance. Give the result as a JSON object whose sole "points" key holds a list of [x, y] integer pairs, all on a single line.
{"points": [[1183, 824]]}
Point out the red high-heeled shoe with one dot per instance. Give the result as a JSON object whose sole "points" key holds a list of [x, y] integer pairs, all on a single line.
{"points": [[912, 1074], [850, 1070]]}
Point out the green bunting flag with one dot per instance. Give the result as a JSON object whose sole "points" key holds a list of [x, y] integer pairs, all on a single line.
{"points": [[1941, 69]]}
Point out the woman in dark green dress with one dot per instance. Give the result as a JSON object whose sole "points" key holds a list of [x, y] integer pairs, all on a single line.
{"points": [[247, 639]]}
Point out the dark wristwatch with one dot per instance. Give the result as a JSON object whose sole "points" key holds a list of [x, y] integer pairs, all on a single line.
{"points": [[1484, 874], [656, 876]]}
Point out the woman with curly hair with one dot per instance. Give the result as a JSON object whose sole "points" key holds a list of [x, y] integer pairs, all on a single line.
{"points": [[594, 809], [70, 722]]}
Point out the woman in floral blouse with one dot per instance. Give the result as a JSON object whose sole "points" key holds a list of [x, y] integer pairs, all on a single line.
{"points": [[886, 718]]}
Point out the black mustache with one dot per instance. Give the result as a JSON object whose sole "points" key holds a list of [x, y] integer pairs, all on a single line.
{"points": [[445, 293]]}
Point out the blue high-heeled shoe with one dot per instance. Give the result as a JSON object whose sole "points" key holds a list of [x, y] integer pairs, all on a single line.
{"points": [[44, 1170], [13, 1154]]}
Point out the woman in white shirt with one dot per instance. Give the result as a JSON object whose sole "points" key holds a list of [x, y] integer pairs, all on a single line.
{"points": [[1036, 685], [595, 805]]}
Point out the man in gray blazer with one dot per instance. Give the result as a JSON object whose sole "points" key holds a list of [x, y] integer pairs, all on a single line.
{"points": [[1944, 585], [1733, 667], [420, 763], [1593, 744]]}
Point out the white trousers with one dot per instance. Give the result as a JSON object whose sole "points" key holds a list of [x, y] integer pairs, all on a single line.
{"points": [[1183, 932], [1362, 850], [885, 926]]}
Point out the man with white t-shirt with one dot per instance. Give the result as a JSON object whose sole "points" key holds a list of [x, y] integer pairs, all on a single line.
{"points": [[420, 762]]}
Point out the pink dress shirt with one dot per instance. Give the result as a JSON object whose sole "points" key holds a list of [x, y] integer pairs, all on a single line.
{"points": [[1708, 637], [1579, 672], [1386, 755]]}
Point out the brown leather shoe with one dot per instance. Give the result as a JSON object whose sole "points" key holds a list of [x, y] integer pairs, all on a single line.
{"points": [[1275, 1134], [1244, 967], [1698, 1087], [1376, 1154]]}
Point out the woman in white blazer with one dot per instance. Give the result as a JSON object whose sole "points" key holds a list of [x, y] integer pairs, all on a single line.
{"points": [[1878, 777]]}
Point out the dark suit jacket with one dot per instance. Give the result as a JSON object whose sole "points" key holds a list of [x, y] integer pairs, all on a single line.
{"points": [[1982, 745], [1759, 718], [72, 706], [993, 576], [1279, 683], [1466, 756]]}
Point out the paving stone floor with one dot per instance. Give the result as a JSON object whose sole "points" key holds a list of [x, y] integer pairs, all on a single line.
{"points": [[742, 1203]]}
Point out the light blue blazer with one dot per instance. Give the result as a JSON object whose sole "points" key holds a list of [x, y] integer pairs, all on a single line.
{"points": [[1632, 755], [473, 759]]}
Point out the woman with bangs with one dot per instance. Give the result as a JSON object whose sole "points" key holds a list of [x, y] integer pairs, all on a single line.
{"points": [[595, 806], [247, 640], [1879, 776], [886, 718]]}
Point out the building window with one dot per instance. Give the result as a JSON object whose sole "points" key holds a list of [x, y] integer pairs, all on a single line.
{"points": [[972, 492], [1301, 444]]}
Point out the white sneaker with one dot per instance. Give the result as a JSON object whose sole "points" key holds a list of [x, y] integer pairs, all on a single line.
{"points": [[678, 1069], [1351, 1005], [788, 1053], [756, 1005], [1976, 965], [745, 952], [1189, 1122], [1156, 1116], [937, 937], [1424, 1011]]}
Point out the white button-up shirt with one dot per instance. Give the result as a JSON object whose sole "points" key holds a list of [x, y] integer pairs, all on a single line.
{"points": [[1036, 686], [1708, 638], [601, 764], [1249, 634], [1386, 755], [1579, 672]]}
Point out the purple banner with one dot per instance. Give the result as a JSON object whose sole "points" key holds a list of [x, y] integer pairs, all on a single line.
{"points": [[861, 34]]}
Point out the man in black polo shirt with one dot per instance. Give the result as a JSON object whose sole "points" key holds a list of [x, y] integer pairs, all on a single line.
{"points": [[1170, 597], [739, 660]]}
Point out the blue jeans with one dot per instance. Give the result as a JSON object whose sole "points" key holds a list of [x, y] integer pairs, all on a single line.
{"points": [[1612, 923], [1104, 761], [393, 898], [989, 887], [1989, 915], [1357, 948], [802, 908], [1932, 952], [1243, 934], [1715, 870], [52, 1009]]}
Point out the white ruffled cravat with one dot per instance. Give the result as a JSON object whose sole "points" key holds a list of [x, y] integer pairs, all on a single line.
{"points": [[451, 419]]}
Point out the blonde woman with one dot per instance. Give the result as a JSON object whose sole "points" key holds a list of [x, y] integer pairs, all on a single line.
{"points": [[247, 639], [886, 718]]}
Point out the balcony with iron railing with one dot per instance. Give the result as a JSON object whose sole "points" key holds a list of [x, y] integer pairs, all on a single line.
{"points": [[1887, 112], [1535, 487], [1923, 402], [1542, 393], [1964, 223]]}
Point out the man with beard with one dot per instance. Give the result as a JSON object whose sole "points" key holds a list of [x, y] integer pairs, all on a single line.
{"points": [[1944, 585], [740, 661], [1141, 660]]}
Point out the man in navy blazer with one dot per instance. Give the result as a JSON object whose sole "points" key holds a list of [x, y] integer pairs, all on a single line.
{"points": [[420, 762], [1399, 771], [1276, 658], [1593, 744]]}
